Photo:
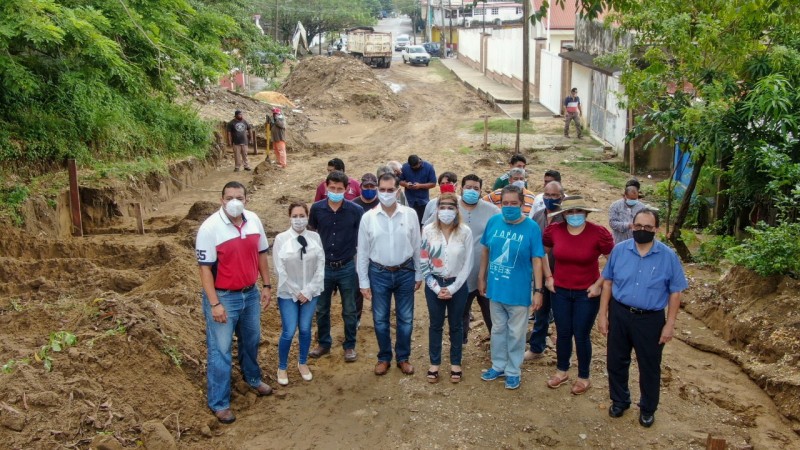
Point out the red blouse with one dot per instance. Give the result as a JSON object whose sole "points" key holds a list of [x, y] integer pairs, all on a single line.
{"points": [[576, 256]]}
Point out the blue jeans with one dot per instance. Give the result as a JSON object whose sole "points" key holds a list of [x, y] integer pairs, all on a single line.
{"points": [[244, 319], [383, 284], [346, 280], [509, 326], [541, 324], [454, 308], [295, 316], [574, 312]]}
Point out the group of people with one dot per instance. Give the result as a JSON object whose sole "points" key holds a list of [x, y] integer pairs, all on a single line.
{"points": [[238, 132], [384, 238]]}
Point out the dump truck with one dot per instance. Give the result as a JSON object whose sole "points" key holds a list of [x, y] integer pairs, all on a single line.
{"points": [[372, 47]]}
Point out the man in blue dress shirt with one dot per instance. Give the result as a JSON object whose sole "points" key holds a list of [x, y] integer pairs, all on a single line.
{"points": [[642, 278], [417, 177]]}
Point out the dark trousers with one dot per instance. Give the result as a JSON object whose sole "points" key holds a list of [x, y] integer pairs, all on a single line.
{"points": [[541, 324], [640, 332], [345, 280], [420, 209], [574, 312], [483, 302], [454, 310]]}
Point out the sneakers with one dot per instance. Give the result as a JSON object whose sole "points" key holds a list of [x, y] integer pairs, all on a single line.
{"points": [[512, 382], [350, 355], [492, 374]]}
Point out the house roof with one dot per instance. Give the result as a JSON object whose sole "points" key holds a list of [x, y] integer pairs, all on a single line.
{"points": [[560, 18], [586, 60]]}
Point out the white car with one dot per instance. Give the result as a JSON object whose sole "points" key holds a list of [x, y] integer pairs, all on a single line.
{"points": [[416, 54], [402, 42]]}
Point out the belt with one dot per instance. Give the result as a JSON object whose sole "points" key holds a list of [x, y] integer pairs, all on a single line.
{"points": [[244, 289], [403, 266], [639, 311], [338, 264], [444, 281]]}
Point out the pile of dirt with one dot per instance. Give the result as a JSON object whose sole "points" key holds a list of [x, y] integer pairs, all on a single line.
{"points": [[760, 318], [345, 83]]}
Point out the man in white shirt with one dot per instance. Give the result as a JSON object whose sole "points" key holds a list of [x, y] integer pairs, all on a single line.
{"points": [[388, 263]]}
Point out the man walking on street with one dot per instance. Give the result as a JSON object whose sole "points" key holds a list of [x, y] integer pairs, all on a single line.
{"points": [[642, 278], [238, 138], [417, 177], [337, 221], [389, 264], [231, 250], [278, 129], [573, 112]]}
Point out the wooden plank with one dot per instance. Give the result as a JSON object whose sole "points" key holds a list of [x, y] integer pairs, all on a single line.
{"points": [[485, 132], [715, 443], [137, 212], [516, 145], [74, 199]]}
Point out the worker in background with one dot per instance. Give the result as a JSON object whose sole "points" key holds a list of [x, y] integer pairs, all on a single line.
{"points": [[278, 130]]}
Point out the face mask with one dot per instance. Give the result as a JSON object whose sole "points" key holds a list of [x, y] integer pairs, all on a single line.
{"points": [[234, 208], [576, 220], [470, 196], [447, 216], [387, 198], [630, 202], [369, 194], [551, 203], [519, 183], [643, 237], [511, 213], [334, 197], [299, 223]]}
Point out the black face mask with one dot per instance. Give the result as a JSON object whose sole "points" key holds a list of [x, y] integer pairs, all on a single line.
{"points": [[643, 237]]}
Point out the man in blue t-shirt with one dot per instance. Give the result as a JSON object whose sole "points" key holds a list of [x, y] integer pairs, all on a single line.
{"points": [[510, 265], [417, 177]]}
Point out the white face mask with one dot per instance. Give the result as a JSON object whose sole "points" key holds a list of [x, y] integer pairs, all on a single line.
{"points": [[234, 208], [447, 216], [387, 198], [519, 183], [299, 224]]}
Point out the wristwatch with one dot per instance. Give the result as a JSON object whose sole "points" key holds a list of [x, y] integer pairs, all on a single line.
{"points": [[539, 290]]}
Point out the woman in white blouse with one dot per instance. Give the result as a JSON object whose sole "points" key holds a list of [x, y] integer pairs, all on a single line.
{"points": [[300, 263], [446, 259]]}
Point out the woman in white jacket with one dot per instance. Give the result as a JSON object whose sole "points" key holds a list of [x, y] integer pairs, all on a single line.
{"points": [[299, 260]]}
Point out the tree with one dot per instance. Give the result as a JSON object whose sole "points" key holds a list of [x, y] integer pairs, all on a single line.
{"points": [[323, 16]]}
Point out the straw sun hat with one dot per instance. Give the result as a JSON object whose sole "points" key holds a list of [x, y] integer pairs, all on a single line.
{"points": [[571, 203]]}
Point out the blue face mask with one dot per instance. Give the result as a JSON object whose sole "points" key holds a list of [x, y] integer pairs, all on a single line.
{"points": [[470, 196], [551, 203], [576, 220], [334, 197], [630, 202], [369, 194], [511, 213]]}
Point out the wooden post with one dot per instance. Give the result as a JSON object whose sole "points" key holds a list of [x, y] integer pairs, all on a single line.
{"points": [[137, 211], [485, 132], [631, 154], [526, 54], [255, 142], [516, 145], [715, 443], [74, 199]]}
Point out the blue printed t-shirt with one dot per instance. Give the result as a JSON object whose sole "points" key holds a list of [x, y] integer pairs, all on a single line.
{"points": [[425, 174], [510, 270]]}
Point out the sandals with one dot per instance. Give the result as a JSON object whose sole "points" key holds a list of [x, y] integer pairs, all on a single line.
{"points": [[555, 381], [455, 377], [580, 386], [433, 376]]}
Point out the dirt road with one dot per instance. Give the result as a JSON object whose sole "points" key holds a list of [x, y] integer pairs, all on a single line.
{"points": [[153, 367]]}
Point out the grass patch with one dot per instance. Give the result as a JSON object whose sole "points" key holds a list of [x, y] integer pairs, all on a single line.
{"points": [[607, 173], [464, 150], [441, 70], [504, 126], [11, 200]]}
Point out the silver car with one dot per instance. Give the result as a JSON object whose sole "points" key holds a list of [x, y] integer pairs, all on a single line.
{"points": [[416, 54]]}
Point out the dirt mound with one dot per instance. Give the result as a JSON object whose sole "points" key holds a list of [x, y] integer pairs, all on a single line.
{"points": [[274, 98], [759, 317], [342, 82]]}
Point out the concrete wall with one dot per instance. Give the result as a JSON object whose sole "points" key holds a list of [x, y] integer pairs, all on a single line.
{"points": [[593, 38], [503, 57]]}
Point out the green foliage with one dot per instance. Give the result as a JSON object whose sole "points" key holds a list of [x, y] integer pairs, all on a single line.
{"points": [[11, 201], [504, 126], [712, 251], [58, 341], [174, 354], [770, 250], [323, 16], [598, 171]]}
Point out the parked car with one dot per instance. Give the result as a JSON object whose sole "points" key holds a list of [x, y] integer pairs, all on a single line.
{"points": [[433, 48], [416, 54], [402, 42]]}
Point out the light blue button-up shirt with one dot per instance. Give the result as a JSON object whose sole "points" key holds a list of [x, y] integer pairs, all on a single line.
{"points": [[644, 282]]}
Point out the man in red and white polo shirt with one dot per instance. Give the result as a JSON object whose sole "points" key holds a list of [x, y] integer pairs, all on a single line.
{"points": [[232, 252], [573, 112]]}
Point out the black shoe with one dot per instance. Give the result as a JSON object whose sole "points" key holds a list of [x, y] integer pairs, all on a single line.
{"points": [[616, 411], [247, 169], [646, 420]]}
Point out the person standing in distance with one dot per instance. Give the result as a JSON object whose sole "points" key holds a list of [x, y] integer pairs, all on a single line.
{"points": [[238, 138], [231, 250], [418, 177], [573, 113], [510, 266], [278, 129], [337, 220], [621, 213], [389, 264], [642, 278]]}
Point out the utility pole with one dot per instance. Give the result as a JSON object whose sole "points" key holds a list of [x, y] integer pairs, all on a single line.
{"points": [[441, 30], [526, 67], [276, 20]]}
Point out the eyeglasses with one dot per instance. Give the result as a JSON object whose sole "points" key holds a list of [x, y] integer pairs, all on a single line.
{"points": [[639, 227]]}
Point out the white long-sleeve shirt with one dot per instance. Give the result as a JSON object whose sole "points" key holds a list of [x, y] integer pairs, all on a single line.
{"points": [[388, 241], [296, 276], [446, 258]]}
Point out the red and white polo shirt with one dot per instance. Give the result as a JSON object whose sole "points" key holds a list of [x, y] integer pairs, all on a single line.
{"points": [[231, 251]]}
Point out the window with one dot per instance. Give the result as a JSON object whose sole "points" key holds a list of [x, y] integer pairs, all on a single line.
{"points": [[495, 11]]}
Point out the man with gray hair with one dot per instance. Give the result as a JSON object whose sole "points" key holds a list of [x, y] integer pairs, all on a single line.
{"points": [[516, 177], [622, 212], [394, 167]]}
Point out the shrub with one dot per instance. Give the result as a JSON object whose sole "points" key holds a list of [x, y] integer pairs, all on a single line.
{"points": [[712, 251], [770, 250]]}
